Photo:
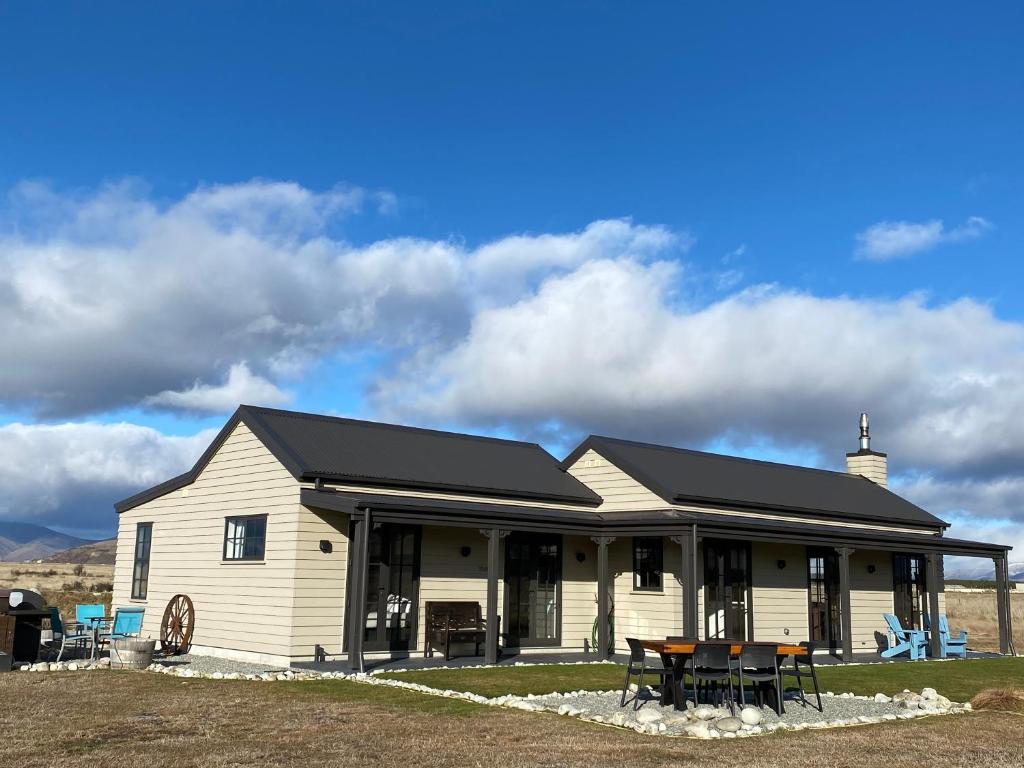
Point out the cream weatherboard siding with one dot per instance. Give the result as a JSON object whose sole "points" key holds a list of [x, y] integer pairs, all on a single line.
{"points": [[645, 614], [245, 609], [319, 599], [618, 490], [779, 594]]}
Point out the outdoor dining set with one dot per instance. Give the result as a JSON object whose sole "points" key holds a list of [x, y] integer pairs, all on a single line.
{"points": [[92, 628], [719, 671], [30, 630]]}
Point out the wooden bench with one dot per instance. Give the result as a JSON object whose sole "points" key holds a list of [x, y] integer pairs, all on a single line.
{"points": [[450, 622]]}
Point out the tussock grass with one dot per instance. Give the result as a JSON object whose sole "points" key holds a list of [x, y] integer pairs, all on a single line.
{"points": [[1000, 700], [976, 612]]}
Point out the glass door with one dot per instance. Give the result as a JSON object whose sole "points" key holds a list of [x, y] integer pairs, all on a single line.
{"points": [[909, 590], [823, 597], [392, 587], [726, 590], [533, 574]]}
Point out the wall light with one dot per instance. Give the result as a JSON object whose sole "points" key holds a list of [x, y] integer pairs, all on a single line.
{"points": [[580, 557], [871, 568], [464, 550], [326, 547], [781, 564]]}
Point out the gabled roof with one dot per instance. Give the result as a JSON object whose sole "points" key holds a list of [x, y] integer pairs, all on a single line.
{"points": [[329, 448], [681, 476]]}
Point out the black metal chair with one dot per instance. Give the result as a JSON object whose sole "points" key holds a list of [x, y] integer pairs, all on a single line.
{"points": [[805, 660], [637, 666], [710, 665], [760, 664]]}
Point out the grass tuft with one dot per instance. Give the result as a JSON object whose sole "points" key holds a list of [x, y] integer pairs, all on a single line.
{"points": [[1000, 699]]}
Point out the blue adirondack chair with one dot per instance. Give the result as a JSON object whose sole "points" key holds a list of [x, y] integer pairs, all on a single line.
{"points": [[952, 646], [903, 640], [127, 623]]}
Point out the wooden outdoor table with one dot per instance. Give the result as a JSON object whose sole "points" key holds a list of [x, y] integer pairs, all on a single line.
{"points": [[679, 651], [735, 647]]}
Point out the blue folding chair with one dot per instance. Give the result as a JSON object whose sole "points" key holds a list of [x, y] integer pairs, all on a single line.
{"points": [[914, 641], [89, 615], [127, 622], [75, 635]]}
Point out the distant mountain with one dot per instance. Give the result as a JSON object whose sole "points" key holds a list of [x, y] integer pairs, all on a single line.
{"points": [[20, 542], [984, 569], [97, 553]]}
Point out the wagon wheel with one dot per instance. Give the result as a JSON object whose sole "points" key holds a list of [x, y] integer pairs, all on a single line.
{"points": [[176, 626]]}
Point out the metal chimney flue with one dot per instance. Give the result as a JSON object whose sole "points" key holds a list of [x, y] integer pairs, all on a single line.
{"points": [[873, 465]]}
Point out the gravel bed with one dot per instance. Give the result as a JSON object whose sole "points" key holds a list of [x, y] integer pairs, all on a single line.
{"points": [[203, 665]]}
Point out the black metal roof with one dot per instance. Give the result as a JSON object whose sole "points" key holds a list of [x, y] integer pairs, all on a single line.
{"points": [[681, 476], [329, 448]]}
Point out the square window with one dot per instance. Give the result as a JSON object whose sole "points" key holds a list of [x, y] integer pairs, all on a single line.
{"points": [[245, 538]]}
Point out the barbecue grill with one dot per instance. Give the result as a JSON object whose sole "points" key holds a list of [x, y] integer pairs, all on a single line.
{"points": [[22, 612]]}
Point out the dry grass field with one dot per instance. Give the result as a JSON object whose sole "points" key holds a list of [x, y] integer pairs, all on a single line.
{"points": [[62, 584], [976, 612], [139, 720]]}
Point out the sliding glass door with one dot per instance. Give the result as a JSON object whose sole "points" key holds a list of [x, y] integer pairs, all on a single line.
{"points": [[727, 595], [533, 575], [909, 590], [823, 597], [392, 587]]}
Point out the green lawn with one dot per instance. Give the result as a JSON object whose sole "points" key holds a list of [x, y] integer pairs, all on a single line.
{"points": [[959, 680]]}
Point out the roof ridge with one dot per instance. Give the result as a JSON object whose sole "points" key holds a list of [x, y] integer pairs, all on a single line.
{"points": [[259, 409], [724, 456]]}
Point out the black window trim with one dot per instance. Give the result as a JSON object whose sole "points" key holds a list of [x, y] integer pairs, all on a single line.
{"points": [[251, 559], [140, 585], [661, 571]]}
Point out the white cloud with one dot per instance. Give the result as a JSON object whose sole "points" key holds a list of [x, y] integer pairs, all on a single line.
{"points": [[240, 386], [69, 475], [896, 239], [110, 299], [611, 347]]}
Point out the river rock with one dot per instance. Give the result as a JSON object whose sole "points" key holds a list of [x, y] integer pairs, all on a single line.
{"points": [[729, 724], [647, 715], [751, 716], [699, 730], [705, 712]]}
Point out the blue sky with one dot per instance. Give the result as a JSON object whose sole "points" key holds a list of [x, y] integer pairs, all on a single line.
{"points": [[729, 168]]}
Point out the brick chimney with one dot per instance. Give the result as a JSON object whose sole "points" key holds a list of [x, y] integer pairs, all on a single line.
{"points": [[872, 464]]}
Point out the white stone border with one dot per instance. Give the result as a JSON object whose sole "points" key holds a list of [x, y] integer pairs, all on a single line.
{"points": [[914, 705]]}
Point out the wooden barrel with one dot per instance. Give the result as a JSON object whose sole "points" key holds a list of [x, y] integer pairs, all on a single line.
{"points": [[131, 653]]}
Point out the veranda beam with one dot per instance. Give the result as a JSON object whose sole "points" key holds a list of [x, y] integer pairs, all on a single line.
{"points": [[845, 605], [359, 573], [603, 639], [688, 573], [932, 583], [494, 537], [1002, 603]]}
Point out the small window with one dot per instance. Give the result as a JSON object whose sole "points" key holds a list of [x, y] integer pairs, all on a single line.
{"points": [[245, 537], [140, 572], [647, 564]]}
